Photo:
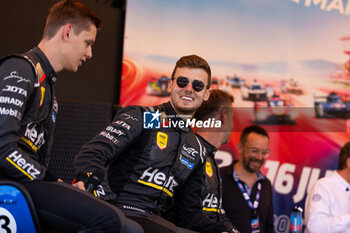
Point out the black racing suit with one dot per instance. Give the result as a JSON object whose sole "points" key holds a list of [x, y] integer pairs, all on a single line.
{"points": [[212, 188], [147, 167], [28, 111]]}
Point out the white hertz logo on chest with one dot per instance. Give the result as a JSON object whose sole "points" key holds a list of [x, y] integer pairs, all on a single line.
{"points": [[211, 203], [17, 160], [158, 180], [33, 138]]}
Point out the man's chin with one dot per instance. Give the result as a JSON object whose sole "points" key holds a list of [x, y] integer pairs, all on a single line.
{"points": [[186, 110]]}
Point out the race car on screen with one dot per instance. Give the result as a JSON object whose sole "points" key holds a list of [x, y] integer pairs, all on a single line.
{"points": [[275, 111], [215, 83], [331, 106], [291, 86], [235, 81], [158, 87], [255, 91]]}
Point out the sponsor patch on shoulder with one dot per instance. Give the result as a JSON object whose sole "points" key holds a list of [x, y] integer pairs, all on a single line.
{"points": [[186, 163], [162, 140], [208, 169]]}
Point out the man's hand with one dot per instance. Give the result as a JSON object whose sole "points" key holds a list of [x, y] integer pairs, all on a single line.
{"points": [[79, 185]]}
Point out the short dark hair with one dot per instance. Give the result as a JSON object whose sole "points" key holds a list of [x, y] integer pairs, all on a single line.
{"points": [[73, 12], [253, 129], [343, 156], [193, 61], [218, 100]]}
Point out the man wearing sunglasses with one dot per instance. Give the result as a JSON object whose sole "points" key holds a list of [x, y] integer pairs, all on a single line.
{"points": [[247, 194], [149, 169]]}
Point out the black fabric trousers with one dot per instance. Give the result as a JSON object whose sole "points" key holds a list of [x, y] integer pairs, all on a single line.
{"points": [[65, 208], [154, 223]]}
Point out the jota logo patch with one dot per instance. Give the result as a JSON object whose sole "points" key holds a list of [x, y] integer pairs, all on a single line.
{"points": [[151, 120]]}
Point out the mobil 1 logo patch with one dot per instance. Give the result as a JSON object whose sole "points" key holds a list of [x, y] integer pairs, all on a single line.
{"points": [[151, 120]]}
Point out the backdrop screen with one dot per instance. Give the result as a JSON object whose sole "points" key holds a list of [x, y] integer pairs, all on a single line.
{"points": [[284, 61]]}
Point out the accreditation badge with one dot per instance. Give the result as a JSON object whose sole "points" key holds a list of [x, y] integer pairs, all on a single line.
{"points": [[254, 224]]}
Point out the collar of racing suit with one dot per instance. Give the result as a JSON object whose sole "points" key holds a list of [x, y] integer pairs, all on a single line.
{"points": [[44, 62], [211, 150]]}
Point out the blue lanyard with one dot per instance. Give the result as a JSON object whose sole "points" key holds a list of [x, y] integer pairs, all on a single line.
{"points": [[246, 196]]}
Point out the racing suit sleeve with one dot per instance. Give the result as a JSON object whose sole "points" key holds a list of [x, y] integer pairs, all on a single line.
{"points": [[187, 201], [224, 220], [94, 156], [17, 80], [317, 212]]}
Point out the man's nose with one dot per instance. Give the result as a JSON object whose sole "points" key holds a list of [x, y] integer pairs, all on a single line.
{"points": [[88, 53]]}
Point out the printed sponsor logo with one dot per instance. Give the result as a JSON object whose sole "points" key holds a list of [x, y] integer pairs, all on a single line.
{"points": [[14, 89], [189, 152], [133, 208], [122, 124], [162, 140], [128, 117], [99, 191], [14, 75], [208, 169], [16, 159], [151, 120], [37, 138], [55, 105], [110, 137], [186, 163], [53, 117], [158, 180], [9, 100], [118, 132], [211, 201], [11, 112]]}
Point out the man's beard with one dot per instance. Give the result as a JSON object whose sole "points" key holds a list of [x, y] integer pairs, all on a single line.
{"points": [[247, 161]]}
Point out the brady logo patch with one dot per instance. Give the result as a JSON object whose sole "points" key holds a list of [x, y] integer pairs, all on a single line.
{"points": [[208, 169], [162, 140], [151, 120]]}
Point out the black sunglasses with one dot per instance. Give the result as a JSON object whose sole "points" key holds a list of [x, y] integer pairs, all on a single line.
{"points": [[196, 84]]}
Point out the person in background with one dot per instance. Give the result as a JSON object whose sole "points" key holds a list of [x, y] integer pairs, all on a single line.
{"points": [[218, 107], [153, 155], [27, 119], [327, 207], [247, 194]]}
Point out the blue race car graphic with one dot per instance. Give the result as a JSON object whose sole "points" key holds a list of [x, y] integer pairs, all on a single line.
{"points": [[331, 106], [235, 81]]}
